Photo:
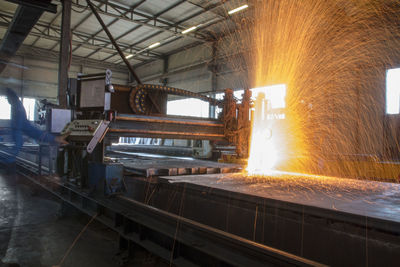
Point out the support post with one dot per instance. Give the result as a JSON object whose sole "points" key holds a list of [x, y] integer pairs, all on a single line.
{"points": [[64, 57], [164, 80], [213, 79]]}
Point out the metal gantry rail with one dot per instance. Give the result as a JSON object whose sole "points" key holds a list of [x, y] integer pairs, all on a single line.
{"points": [[181, 241]]}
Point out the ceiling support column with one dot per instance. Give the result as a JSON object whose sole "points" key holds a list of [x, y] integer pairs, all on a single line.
{"points": [[64, 56], [214, 84]]}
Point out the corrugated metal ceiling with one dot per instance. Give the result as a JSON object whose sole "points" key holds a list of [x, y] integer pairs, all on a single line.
{"points": [[135, 29]]}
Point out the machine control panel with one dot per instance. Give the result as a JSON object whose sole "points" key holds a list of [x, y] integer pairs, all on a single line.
{"points": [[84, 128]]}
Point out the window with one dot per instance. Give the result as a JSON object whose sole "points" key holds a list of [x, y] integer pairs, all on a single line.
{"points": [[393, 91], [188, 107], [238, 94], [29, 105], [139, 141], [275, 95], [5, 108]]}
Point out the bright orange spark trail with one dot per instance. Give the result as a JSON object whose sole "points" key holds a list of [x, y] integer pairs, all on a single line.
{"points": [[332, 56]]}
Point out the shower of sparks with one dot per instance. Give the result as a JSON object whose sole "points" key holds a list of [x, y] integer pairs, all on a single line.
{"points": [[332, 55]]}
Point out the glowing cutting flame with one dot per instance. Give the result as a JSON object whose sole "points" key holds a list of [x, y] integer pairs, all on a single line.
{"points": [[263, 155], [265, 138]]}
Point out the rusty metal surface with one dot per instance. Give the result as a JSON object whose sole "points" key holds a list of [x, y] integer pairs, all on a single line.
{"points": [[138, 96], [166, 127], [236, 119], [162, 165], [366, 198]]}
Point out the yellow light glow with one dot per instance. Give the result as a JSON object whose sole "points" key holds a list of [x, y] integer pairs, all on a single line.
{"points": [[332, 61], [189, 30], [265, 147], [263, 155], [129, 56], [237, 9], [154, 45], [275, 94]]}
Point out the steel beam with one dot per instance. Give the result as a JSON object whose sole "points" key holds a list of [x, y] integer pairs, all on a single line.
{"points": [[52, 56], [24, 19], [166, 127], [78, 24], [138, 4], [43, 5], [155, 16], [119, 37], [64, 56], [52, 33], [111, 23], [136, 43], [51, 23], [163, 233], [141, 23], [129, 66], [254, 211], [94, 35], [173, 237], [178, 36], [156, 20], [214, 79]]}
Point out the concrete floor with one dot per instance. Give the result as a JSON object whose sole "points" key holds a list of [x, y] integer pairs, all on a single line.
{"points": [[32, 232]]}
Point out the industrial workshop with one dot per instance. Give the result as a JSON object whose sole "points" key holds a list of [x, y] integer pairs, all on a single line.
{"points": [[199, 133]]}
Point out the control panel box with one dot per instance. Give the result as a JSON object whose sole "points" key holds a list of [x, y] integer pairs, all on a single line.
{"points": [[82, 128], [57, 119]]}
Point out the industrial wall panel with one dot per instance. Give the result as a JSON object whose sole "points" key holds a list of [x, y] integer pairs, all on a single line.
{"points": [[150, 69], [197, 87], [198, 80], [234, 80], [39, 74], [40, 63], [36, 78], [190, 56], [39, 90]]}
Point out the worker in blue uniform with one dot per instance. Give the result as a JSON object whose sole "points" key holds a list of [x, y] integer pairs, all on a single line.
{"points": [[19, 126]]}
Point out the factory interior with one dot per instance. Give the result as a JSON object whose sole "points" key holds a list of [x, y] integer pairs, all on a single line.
{"points": [[199, 133]]}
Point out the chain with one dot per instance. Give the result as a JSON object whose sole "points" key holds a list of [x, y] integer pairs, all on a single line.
{"points": [[138, 95]]}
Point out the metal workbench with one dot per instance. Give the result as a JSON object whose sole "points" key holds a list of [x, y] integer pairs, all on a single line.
{"points": [[335, 221], [228, 218]]}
